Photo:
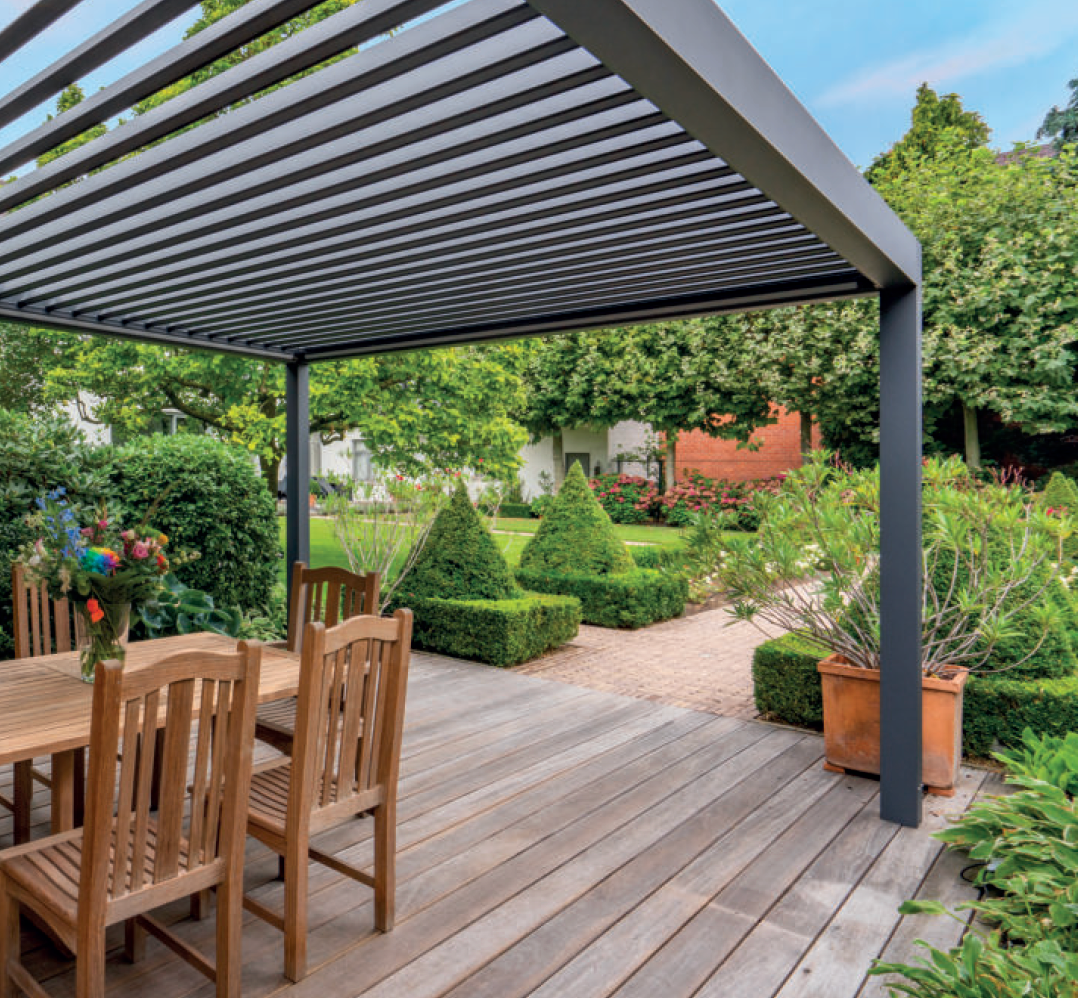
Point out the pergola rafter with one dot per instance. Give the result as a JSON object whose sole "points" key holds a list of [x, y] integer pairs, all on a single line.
{"points": [[455, 173]]}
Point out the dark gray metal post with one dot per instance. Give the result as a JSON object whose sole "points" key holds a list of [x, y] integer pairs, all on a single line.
{"points": [[900, 555], [298, 447]]}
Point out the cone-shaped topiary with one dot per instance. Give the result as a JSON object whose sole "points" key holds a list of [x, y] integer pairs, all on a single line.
{"points": [[460, 559], [1062, 495], [576, 535]]}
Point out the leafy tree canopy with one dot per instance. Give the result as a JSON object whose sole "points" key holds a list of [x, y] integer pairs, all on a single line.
{"points": [[937, 124], [433, 408], [1061, 123]]}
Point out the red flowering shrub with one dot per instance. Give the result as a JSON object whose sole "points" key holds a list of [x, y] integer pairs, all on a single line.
{"points": [[626, 498], [695, 494]]}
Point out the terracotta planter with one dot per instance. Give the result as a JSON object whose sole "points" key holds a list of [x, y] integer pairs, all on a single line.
{"points": [[851, 722]]}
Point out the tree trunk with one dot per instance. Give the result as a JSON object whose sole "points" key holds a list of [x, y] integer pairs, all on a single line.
{"points": [[973, 438], [806, 434], [559, 460], [271, 471], [671, 458]]}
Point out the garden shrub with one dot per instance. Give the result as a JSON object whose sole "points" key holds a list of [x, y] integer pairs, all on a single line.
{"points": [[36, 456], [466, 603], [499, 632], [460, 559], [786, 683], [539, 505], [650, 556], [216, 503], [1061, 493], [995, 709], [626, 498], [576, 536], [681, 505], [628, 599], [515, 511], [1021, 845]]}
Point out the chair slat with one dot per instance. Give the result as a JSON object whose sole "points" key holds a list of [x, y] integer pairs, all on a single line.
{"points": [[197, 848], [126, 798], [147, 743], [219, 739], [173, 792]]}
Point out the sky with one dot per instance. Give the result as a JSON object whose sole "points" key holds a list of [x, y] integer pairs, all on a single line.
{"points": [[855, 65]]}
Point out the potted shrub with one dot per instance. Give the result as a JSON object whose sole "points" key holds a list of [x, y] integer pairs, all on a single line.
{"points": [[991, 575]]}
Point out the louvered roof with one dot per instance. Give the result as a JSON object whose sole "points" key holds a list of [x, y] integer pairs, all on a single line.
{"points": [[476, 170]]}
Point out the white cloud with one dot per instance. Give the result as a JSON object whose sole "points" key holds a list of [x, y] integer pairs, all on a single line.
{"points": [[1029, 31]]}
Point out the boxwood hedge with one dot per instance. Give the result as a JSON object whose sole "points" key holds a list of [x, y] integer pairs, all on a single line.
{"points": [[498, 632], [628, 599], [995, 709]]}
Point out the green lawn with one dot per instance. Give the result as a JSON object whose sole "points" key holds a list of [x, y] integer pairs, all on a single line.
{"points": [[664, 536], [326, 551]]}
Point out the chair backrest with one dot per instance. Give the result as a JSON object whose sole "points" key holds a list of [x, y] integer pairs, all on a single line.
{"points": [[329, 595], [42, 626], [349, 716], [211, 698]]}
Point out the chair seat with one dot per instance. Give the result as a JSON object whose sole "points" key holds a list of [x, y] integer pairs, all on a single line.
{"points": [[267, 804], [47, 871], [275, 724]]}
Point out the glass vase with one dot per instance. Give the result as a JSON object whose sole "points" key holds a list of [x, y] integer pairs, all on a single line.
{"points": [[101, 633]]}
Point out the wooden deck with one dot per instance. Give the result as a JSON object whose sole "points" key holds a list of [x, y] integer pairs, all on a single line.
{"points": [[556, 841]]}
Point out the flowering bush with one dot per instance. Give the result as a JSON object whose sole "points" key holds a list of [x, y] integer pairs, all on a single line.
{"points": [[738, 500], [626, 498]]}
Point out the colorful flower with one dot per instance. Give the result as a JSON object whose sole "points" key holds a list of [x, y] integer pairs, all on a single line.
{"points": [[96, 613]]}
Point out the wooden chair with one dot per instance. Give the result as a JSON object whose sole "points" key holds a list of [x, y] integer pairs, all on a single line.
{"points": [[125, 862], [345, 761], [41, 627], [329, 595]]}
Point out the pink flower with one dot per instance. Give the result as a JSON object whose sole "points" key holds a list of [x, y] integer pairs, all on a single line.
{"points": [[140, 550]]}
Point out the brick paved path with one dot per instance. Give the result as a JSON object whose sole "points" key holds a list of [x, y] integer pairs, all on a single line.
{"points": [[701, 662]]}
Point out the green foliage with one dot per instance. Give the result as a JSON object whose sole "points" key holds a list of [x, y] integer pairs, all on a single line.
{"points": [[515, 510], [937, 124], [37, 456], [1000, 709], [626, 498], [460, 560], [1061, 495], [540, 505], [214, 503], [646, 557], [786, 682], [269, 622], [1061, 123], [70, 97], [178, 609], [576, 535], [988, 553], [1027, 845], [417, 411], [629, 599], [498, 632]]}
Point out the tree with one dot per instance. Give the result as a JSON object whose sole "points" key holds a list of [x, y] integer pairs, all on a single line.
{"points": [[678, 376], [936, 123], [26, 357], [1061, 123], [418, 410], [1000, 248], [69, 98]]}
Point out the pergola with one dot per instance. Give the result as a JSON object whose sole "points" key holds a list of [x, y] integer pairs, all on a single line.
{"points": [[478, 170]]}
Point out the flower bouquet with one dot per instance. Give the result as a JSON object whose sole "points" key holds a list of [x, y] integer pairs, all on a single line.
{"points": [[102, 569]]}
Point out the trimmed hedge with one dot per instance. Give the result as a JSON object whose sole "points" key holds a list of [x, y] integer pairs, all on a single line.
{"points": [[630, 599], [787, 688], [217, 504], [497, 632], [515, 510], [786, 683], [646, 557], [576, 535], [460, 559]]}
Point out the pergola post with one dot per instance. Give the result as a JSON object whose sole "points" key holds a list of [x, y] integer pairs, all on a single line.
{"points": [[298, 449], [900, 555]]}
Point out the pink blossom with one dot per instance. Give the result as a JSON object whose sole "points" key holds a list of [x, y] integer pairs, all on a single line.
{"points": [[140, 550]]}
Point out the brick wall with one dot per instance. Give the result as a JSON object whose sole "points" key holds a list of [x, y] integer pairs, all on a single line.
{"points": [[780, 451]]}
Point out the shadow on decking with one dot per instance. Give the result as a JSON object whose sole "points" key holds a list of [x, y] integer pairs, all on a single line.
{"points": [[556, 841]]}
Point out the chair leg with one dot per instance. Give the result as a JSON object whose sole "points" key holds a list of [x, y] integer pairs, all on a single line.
{"points": [[23, 800], [201, 902], [385, 865], [90, 964], [80, 787], [295, 911], [9, 938], [229, 925], [134, 941]]}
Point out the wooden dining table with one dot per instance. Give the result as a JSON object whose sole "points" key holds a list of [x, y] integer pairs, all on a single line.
{"points": [[46, 708]]}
